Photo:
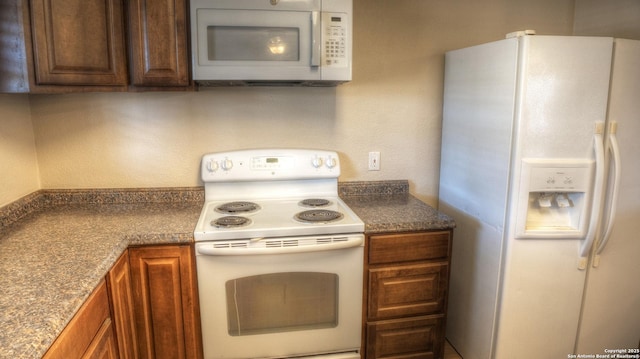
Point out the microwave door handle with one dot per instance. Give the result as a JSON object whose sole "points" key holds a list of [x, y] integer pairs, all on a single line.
{"points": [[316, 33]]}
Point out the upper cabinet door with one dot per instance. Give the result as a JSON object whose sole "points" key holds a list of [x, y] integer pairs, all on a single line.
{"points": [[158, 42], [78, 42]]}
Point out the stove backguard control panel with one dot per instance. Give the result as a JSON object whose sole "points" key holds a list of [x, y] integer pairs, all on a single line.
{"points": [[269, 164]]}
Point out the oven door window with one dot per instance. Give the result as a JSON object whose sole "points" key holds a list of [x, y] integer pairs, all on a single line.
{"points": [[281, 302]]}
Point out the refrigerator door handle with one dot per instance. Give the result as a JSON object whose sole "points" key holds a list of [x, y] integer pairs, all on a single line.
{"points": [[614, 149], [598, 188]]}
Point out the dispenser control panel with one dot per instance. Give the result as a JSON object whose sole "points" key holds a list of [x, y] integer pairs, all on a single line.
{"points": [[560, 179], [554, 197]]}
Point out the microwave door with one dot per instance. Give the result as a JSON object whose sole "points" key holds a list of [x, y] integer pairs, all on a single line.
{"points": [[255, 45]]}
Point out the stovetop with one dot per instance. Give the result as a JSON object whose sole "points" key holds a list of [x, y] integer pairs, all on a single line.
{"points": [[276, 182], [277, 218]]}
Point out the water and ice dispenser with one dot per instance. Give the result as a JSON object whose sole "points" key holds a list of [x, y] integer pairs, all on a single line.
{"points": [[555, 196]]}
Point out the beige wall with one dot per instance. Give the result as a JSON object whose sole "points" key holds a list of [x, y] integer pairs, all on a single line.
{"points": [[393, 105], [18, 162], [617, 18]]}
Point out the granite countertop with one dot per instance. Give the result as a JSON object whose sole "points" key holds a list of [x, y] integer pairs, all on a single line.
{"points": [[389, 207], [56, 246]]}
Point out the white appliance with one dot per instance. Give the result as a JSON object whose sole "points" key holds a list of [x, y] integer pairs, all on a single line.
{"points": [[271, 42], [540, 170], [279, 257]]}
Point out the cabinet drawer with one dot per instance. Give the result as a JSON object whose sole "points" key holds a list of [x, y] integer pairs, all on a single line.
{"points": [[415, 289], [414, 338], [409, 247]]}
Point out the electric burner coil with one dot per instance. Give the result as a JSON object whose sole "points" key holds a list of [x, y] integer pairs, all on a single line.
{"points": [[231, 222], [318, 216], [237, 207], [314, 202]]}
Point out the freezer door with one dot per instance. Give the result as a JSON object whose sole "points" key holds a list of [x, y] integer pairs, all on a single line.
{"points": [[480, 84]]}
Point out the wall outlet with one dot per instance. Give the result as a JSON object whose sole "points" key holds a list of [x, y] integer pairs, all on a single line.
{"points": [[374, 161]]}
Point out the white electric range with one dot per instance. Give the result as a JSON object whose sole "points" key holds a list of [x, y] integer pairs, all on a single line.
{"points": [[279, 257]]}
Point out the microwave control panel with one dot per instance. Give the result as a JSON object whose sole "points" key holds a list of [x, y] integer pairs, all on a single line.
{"points": [[334, 32]]}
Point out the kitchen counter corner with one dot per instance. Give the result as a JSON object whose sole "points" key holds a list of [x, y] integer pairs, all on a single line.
{"points": [[387, 206], [56, 247]]}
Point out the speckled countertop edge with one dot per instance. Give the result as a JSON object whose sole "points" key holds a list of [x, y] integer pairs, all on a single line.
{"points": [[43, 199], [373, 188]]}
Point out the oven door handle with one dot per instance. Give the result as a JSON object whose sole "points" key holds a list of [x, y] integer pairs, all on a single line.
{"points": [[286, 246]]}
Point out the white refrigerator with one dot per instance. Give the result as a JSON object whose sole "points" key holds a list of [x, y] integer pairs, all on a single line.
{"points": [[541, 171]]}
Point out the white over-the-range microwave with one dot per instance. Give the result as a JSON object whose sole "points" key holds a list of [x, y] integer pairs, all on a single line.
{"points": [[271, 42]]}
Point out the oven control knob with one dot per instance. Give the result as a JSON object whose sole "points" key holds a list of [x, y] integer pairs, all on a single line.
{"points": [[212, 166], [316, 162], [331, 162], [227, 164]]}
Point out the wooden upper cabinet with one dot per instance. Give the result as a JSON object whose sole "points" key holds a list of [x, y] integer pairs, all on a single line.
{"points": [[95, 45], [158, 42], [78, 42]]}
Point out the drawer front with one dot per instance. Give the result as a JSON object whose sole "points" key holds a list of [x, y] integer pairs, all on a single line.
{"points": [[409, 247], [415, 289], [414, 338]]}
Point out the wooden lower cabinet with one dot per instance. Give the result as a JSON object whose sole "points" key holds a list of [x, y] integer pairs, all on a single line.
{"points": [[122, 306], [406, 287], [90, 333], [420, 337], [165, 298], [146, 308]]}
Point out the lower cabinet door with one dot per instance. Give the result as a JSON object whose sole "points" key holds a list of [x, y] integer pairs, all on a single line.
{"points": [[166, 302], [412, 338], [123, 313]]}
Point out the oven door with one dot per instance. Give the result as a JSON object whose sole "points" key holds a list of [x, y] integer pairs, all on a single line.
{"points": [[281, 301], [259, 45]]}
